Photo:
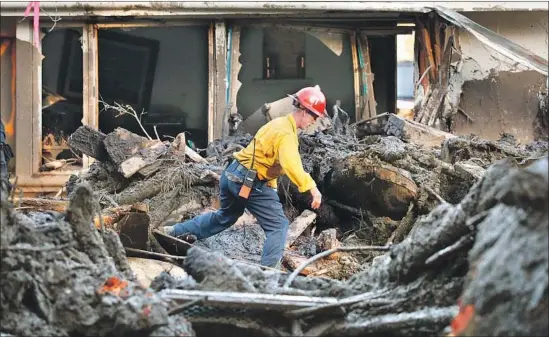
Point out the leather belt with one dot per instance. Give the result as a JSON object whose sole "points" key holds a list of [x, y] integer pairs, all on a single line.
{"points": [[243, 169]]}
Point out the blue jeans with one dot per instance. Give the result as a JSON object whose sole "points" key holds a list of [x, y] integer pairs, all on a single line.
{"points": [[263, 203]]}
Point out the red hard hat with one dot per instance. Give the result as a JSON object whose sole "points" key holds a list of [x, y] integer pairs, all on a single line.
{"points": [[312, 99]]}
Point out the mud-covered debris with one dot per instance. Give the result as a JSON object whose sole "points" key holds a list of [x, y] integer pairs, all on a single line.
{"points": [[62, 277]]}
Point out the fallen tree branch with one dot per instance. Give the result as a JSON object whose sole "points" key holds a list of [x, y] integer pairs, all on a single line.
{"points": [[299, 313], [464, 241], [38, 249], [370, 119], [126, 109], [317, 257], [246, 300], [378, 324], [435, 194], [182, 307], [146, 252]]}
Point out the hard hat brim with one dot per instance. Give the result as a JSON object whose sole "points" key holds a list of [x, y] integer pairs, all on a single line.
{"points": [[321, 115]]}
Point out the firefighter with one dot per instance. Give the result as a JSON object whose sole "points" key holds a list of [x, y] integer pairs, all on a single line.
{"points": [[250, 180]]}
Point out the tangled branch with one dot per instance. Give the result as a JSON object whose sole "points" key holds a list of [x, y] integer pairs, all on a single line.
{"points": [[126, 109]]}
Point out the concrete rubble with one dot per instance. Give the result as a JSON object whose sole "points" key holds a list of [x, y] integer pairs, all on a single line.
{"points": [[422, 232]]}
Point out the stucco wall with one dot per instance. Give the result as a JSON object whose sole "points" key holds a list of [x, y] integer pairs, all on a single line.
{"points": [[333, 73], [7, 110], [497, 93]]}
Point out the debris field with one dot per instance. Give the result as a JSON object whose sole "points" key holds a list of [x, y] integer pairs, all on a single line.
{"points": [[420, 233]]}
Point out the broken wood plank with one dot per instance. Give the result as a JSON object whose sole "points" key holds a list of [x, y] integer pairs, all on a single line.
{"points": [[147, 269], [293, 260], [327, 239], [428, 49], [179, 145], [277, 302], [140, 207], [299, 225], [194, 156], [468, 170], [414, 132], [356, 72], [88, 141], [41, 205], [111, 216], [143, 158], [172, 245], [443, 83], [133, 230], [371, 100], [432, 105]]}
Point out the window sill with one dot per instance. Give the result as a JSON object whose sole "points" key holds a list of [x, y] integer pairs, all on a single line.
{"points": [[305, 81]]}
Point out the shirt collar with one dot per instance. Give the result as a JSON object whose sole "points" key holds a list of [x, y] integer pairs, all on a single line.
{"points": [[292, 121]]}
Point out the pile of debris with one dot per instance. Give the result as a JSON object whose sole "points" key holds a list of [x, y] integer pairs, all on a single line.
{"points": [[64, 277], [373, 189]]}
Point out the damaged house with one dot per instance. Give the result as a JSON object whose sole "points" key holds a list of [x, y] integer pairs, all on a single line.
{"points": [[187, 65], [432, 166]]}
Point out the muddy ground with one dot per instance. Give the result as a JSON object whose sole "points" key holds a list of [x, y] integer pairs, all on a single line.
{"points": [[460, 231], [478, 266]]}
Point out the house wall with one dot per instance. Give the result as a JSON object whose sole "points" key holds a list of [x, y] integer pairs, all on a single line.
{"points": [[7, 108], [500, 96], [331, 72], [181, 77]]}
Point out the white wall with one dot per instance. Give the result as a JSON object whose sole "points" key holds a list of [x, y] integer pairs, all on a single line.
{"points": [[527, 29], [499, 95]]}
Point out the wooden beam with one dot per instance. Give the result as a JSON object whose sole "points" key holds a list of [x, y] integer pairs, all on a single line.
{"points": [[220, 77], [235, 68], [28, 103], [371, 100], [90, 75], [299, 225], [211, 83], [356, 75], [415, 132], [41, 205]]}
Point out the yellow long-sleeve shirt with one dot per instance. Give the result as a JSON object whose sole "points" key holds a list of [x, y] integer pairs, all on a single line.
{"points": [[277, 153]]}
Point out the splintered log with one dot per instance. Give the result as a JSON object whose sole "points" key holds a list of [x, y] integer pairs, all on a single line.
{"points": [[364, 183], [299, 225], [122, 144], [414, 132], [173, 246], [41, 205], [111, 216], [89, 141], [143, 158]]}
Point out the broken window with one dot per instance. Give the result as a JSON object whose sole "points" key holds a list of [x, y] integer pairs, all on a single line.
{"points": [[283, 54], [159, 74], [62, 99], [327, 62]]}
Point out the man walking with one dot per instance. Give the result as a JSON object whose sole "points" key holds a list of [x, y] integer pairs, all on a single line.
{"points": [[250, 180]]}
